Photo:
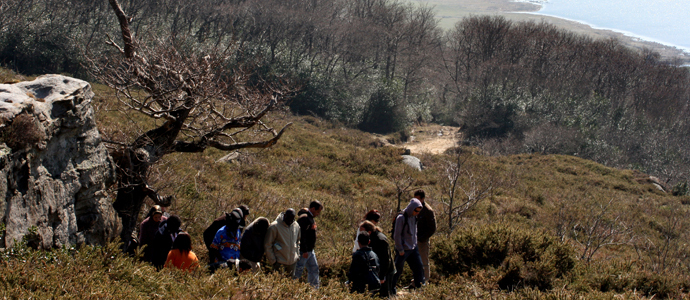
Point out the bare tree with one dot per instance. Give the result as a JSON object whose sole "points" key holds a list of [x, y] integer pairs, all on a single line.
{"points": [[403, 181], [595, 230], [195, 100], [662, 247], [460, 176]]}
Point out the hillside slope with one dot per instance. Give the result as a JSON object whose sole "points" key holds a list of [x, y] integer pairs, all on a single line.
{"points": [[640, 236]]}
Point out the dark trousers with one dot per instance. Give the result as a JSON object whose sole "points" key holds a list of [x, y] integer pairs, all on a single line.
{"points": [[414, 260], [385, 290]]}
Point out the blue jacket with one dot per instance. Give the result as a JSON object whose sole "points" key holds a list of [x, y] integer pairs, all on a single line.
{"points": [[227, 244]]}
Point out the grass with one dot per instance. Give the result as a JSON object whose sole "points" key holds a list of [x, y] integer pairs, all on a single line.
{"points": [[544, 197]]}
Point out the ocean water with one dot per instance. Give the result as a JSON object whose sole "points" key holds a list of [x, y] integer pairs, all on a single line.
{"points": [[663, 21]]}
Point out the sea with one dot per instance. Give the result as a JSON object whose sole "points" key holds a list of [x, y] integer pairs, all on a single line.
{"points": [[663, 21]]}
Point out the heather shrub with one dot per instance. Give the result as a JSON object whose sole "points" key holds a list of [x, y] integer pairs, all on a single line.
{"points": [[518, 256], [619, 277], [23, 132]]}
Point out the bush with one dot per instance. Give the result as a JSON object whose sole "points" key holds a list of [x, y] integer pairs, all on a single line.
{"points": [[680, 189], [385, 113], [23, 132], [519, 257]]}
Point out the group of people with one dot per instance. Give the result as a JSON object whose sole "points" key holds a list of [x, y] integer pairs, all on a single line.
{"points": [[288, 244], [166, 243], [373, 268]]}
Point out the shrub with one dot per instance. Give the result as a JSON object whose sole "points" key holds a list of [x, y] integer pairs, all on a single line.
{"points": [[385, 113], [24, 131], [520, 257], [680, 189]]}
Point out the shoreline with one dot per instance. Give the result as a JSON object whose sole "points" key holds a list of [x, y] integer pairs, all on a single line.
{"points": [[641, 38], [449, 12], [629, 34]]}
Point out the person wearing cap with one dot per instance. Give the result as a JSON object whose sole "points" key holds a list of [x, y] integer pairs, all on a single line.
{"points": [[148, 227], [307, 243], [212, 229], [281, 242], [226, 243]]}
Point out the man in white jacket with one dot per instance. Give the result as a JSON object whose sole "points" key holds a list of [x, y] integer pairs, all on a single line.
{"points": [[281, 242]]}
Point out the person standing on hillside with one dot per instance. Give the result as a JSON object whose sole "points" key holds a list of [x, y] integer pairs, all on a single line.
{"points": [[212, 229], [163, 241], [253, 242], [281, 241], [364, 269], [148, 227], [405, 236], [372, 216], [225, 246], [426, 227], [307, 243], [379, 244]]}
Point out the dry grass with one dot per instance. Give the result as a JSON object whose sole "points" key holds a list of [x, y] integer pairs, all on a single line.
{"points": [[344, 168]]}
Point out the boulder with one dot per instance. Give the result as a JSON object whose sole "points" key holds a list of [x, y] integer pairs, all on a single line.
{"points": [[54, 169], [413, 162]]}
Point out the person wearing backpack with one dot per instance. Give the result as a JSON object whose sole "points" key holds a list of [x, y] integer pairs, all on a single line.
{"points": [[405, 236], [379, 244], [426, 227], [364, 269]]}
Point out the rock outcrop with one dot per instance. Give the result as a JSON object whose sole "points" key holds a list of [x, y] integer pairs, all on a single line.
{"points": [[54, 170], [413, 162]]}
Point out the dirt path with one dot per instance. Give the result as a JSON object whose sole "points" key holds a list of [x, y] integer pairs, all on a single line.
{"points": [[432, 139]]}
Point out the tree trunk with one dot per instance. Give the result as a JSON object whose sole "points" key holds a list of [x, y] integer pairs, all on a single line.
{"points": [[132, 190]]}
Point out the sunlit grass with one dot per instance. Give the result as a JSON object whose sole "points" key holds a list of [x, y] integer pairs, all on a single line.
{"points": [[344, 169]]}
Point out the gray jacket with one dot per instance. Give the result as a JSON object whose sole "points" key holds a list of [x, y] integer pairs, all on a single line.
{"points": [[405, 235]]}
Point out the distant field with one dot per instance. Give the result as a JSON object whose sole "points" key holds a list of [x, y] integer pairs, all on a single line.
{"points": [[450, 12]]}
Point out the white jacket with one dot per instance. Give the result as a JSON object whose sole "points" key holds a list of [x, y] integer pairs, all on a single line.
{"points": [[281, 242]]}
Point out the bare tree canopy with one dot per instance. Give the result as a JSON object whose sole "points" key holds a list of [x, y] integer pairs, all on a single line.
{"points": [[195, 95]]}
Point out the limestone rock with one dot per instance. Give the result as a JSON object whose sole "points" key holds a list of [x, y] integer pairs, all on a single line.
{"points": [[413, 161], [56, 183]]}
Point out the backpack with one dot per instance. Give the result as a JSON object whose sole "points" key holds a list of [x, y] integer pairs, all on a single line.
{"points": [[394, 221], [372, 279]]}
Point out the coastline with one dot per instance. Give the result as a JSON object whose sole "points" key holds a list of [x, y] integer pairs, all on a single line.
{"points": [[450, 12]]}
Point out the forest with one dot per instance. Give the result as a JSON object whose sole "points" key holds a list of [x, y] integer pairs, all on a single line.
{"points": [[382, 65]]}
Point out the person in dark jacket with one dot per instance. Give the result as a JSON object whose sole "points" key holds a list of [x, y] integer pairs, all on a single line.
{"points": [[378, 242], [148, 227], [253, 242], [212, 229], [426, 227], [364, 268], [158, 249], [307, 243], [406, 249], [374, 216]]}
